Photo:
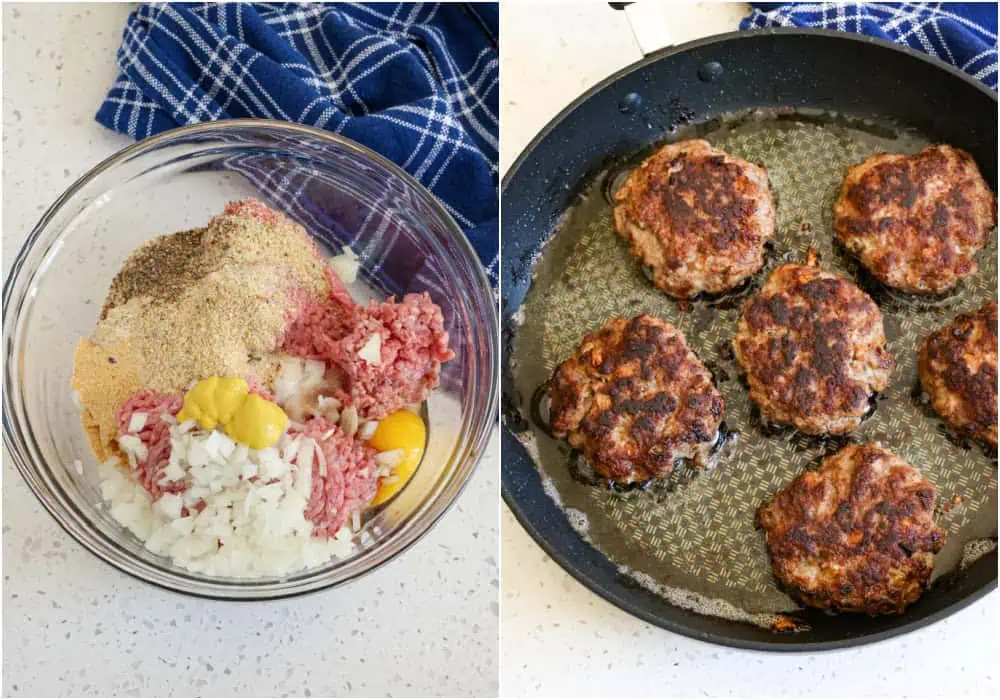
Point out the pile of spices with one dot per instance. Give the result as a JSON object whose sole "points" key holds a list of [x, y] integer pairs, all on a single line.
{"points": [[207, 302]]}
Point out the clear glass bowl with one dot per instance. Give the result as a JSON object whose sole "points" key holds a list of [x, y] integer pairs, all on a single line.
{"points": [[342, 193]]}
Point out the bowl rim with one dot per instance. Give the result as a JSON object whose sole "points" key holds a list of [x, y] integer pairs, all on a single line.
{"points": [[474, 450]]}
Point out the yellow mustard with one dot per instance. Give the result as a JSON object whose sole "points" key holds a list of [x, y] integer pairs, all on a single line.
{"points": [[258, 423], [227, 401]]}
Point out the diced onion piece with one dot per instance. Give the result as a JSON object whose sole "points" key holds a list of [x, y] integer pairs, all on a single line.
{"points": [[133, 447], [349, 421], [137, 422], [291, 449], [286, 386], [371, 351], [391, 458], [304, 458], [170, 505], [329, 408], [321, 460], [312, 373], [172, 472], [367, 430], [325, 402], [346, 265]]}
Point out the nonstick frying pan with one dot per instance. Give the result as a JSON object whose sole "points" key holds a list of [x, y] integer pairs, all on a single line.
{"points": [[857, 80]]}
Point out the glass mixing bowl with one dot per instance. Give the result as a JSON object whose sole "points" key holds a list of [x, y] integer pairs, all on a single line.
{"points": [[342, 193]]}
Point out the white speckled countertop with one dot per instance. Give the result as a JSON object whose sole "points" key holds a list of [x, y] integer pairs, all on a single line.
{"points": [[559, 639], [425, 624]]}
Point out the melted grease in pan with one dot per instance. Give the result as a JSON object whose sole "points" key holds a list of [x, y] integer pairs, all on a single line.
{"points": [[693, 540]]}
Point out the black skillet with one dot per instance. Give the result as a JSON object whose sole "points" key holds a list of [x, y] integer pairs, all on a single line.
{"points": [[781, 68]]}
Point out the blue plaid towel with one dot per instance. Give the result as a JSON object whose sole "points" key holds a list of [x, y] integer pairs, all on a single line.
{"points": [[419, 83], [963, 34]]}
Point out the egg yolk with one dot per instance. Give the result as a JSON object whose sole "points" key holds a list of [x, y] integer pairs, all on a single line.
{"points": [[227, 401], [402, 430]]}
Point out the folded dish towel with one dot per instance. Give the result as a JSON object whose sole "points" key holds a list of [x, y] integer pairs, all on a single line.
{"points": [[962, 33], [419, 83]]}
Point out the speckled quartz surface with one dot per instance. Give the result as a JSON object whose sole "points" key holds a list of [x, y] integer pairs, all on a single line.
{"points": [[559, 639], [424, 624]]}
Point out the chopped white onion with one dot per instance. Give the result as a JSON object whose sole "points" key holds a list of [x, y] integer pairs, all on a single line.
{"points": [[391, 458], [235, 511], [321, 460], [371, 351], [137, 422], [367, 430], [346, 265], [132, 446], [312, 373], [349, 421], [170, 505], [329, 408]]}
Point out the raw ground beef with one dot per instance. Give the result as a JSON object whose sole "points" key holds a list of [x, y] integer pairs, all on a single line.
{"points": [[349, 484], [413, 346], [155, 436], [316, 326], [252, 209]]}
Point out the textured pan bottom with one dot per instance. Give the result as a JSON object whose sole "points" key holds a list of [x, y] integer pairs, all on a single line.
{"points": [[693, 539]]}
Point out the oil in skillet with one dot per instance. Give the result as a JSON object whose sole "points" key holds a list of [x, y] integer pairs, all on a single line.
{"points": [[663, 539]]}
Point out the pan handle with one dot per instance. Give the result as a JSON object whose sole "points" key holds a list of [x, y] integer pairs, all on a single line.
{"points": [[656, 24]]}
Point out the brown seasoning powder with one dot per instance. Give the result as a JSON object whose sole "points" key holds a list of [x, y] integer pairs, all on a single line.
{"points": [[199, 303]]}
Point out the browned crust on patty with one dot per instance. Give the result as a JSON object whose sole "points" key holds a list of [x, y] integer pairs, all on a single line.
{"points": [[634, 398], [958, 368], [916, 221], [857, 534], [813, 349], [697, 216]]}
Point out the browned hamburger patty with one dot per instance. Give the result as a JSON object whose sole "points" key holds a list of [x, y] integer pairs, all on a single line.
{"points": [[634, 398], [916, 221], [958, 368], [813, 349], [697, 216], [858, 534]]}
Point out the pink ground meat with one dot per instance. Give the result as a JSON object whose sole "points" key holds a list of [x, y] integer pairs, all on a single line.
{"points": [[251, 209], [316, 326], [349, 484], [155, 436], [413, 341], [414, 344]]}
